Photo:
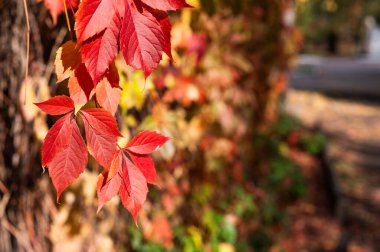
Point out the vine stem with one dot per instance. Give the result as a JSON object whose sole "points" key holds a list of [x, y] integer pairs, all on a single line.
{"points": [[67, 19], [27, 48]]}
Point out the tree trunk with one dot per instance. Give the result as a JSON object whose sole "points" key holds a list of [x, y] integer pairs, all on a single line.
{"points": [[23, 191]]}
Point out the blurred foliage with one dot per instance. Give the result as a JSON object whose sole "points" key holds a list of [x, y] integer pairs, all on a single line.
{"points": [[373, 8], [229, 175], [315, 144]]}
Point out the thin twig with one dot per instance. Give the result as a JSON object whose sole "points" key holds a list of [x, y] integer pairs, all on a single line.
{"points": [[67, 19], [31, 232], [16, 233], [5, 199], [27, 48]]}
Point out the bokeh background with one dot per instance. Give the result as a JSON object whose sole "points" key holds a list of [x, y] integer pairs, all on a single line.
{"points": [[273, 108]]}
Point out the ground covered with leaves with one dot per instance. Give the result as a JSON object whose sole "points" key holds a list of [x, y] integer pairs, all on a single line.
{"points": [[353, 129]]}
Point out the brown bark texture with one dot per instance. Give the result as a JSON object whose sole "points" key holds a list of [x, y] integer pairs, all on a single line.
{"points": [[24, 222]]}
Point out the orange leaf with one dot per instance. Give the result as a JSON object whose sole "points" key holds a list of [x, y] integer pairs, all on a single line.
{"points": [[68, 58], [107, 96]]}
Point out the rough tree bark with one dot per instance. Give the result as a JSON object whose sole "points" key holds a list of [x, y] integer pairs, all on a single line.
{"points": [[23, 191]]}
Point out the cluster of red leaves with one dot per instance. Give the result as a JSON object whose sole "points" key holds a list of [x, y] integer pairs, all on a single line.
{"points": [[127, 170], [140, 29]]}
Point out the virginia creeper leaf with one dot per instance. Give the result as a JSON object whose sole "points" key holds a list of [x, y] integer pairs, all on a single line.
{"points": [[68, 58], [133, 189], [103, 120], [76, 93], [109, 181], [70, 162], [146, 166], [166, 5], [101, 134], [107, 96], [116, 164], [93, 16], [99, 51], [146, 142], [101, 146], [57, 105], [141, 30], [112, 76], [84, 80], [166, 28], [141, 39], [56, 139]]}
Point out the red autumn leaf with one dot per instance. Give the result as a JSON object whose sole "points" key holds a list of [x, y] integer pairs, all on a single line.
{"points": [[55, 8], [146, 142], [166, 4], [133, 189], [141, 30], [56, 139], [109, 182], [57, 105], [68, 58], [73, 3], [76, 93], [141, 39], [166, 28], [107, 189], [70, 162], [101, 146], [107, 96], [101, 119], [93, 16], [112, 76], [101, 50], [144, 33], [84, 80], [146, 166], [116, 164], [101, 134]]}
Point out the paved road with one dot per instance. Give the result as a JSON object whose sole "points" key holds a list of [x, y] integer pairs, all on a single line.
{"points": [[338, 76]]}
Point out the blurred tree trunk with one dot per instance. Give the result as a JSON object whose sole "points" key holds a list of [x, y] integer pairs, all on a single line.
{"points": [[268, 50], [23, 224]]}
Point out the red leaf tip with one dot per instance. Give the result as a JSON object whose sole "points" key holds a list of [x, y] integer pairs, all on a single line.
{"points": [[57, 105], [146, 142]]}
